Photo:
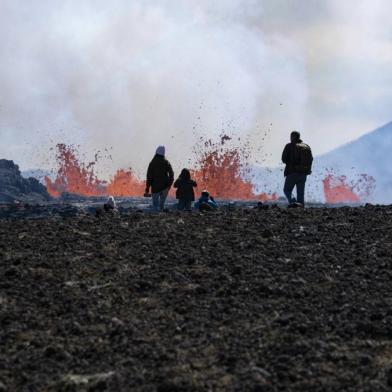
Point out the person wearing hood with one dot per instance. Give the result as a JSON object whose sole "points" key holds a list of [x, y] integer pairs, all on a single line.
{"points": [[160, 178], [298, 159], [185, 193]]}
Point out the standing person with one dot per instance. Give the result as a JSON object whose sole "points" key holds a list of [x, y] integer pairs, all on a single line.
{"points": [[185, 193], [298, 159], [160, 178]]}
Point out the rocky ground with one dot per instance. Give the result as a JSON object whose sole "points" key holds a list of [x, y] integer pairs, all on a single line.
{"points": [[242, 299], [13, 187]]}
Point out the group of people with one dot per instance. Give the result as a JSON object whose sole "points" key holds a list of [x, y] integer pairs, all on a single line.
{"points": [[297, 156], [160, 178]]}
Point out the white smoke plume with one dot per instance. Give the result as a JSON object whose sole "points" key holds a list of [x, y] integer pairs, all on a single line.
{"points": [[133, 75]]}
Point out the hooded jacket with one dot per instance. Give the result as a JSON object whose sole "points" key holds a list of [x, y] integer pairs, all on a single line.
{"points": [[206, 200], [160, 174], [185, 190]]}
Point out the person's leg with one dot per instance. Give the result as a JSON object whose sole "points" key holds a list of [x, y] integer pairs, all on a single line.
{"points": [[155, 201], [163, 196], [181, 205], [300, 184], [188, 206], [288, 187]]}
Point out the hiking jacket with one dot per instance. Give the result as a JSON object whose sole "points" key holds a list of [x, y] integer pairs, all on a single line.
{"points": [[160, 174], [206, 200], [292, 160], [185, 190]]}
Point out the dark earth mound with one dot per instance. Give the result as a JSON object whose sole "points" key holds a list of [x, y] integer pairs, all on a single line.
{"points": [[13, 187], [259, 300]]}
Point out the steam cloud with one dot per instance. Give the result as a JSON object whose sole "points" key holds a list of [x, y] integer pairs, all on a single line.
{"points": [[134, 74]]}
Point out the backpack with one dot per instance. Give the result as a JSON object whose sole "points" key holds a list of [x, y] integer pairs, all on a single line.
{"points": [[303, 158]]}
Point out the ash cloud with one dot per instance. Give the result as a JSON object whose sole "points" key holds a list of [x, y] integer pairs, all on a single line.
{"points": [[132, 75]]}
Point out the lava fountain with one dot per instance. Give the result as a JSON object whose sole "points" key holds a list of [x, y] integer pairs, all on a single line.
{"points": [[337, 189], [219, 168], [79, 178]]}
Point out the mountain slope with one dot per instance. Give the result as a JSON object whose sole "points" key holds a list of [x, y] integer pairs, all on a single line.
{"points": [[370, 154]]}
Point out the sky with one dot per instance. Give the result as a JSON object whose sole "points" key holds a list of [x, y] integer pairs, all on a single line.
{"points": [[129, 75]]}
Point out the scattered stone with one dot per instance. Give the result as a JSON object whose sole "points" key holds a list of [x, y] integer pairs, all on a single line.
{"points": [[84, 382]]}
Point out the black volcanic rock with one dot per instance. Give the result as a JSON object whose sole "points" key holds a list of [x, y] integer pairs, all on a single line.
{"points": [[234, 300], [13, 187]]}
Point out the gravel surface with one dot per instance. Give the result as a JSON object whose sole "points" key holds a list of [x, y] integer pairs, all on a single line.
{"points": [[243, 299]]}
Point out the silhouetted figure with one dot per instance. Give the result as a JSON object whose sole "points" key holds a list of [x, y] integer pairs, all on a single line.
{"points": [[206, 202], [160, 178], [298, 159], [185, 193]]}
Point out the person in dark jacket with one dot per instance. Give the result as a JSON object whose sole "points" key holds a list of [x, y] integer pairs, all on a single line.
{"points": [[298, 159], [185, 193], [206, 202], [160, 178]]}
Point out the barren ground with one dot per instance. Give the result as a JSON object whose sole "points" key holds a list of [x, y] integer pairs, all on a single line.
{"points": [[259, 300]]}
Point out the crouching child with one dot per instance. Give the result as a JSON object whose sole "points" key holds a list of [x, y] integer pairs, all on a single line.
{"points": [[206, 202], [185, 193]]}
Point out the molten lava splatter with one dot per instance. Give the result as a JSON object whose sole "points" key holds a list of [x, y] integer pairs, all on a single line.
{"points": [[73, 176], [125, 183], [76, 177], [338, 190], [221, 170]]}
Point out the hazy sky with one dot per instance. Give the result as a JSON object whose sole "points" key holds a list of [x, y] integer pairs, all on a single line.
{"points": [[134, 74]]}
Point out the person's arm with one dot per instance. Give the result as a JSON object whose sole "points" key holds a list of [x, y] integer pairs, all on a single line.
{"points": [[212, 202], [311, 155], [285, 154], [170, 172], [149, 178], [176, 183]]}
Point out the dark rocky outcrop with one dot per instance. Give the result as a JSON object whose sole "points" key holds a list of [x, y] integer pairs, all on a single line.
{"points": [[13, 187]]}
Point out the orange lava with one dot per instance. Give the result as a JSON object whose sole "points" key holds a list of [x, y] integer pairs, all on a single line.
{"points": [[75, 177], [125, 183], [336, 190], [221, 171]]}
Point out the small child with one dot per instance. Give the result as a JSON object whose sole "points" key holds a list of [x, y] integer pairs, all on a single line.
{"points": [[185, 193], [206, 202]]}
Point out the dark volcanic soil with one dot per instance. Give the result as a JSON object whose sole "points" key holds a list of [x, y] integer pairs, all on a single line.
{"points": [[259, 300]]}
